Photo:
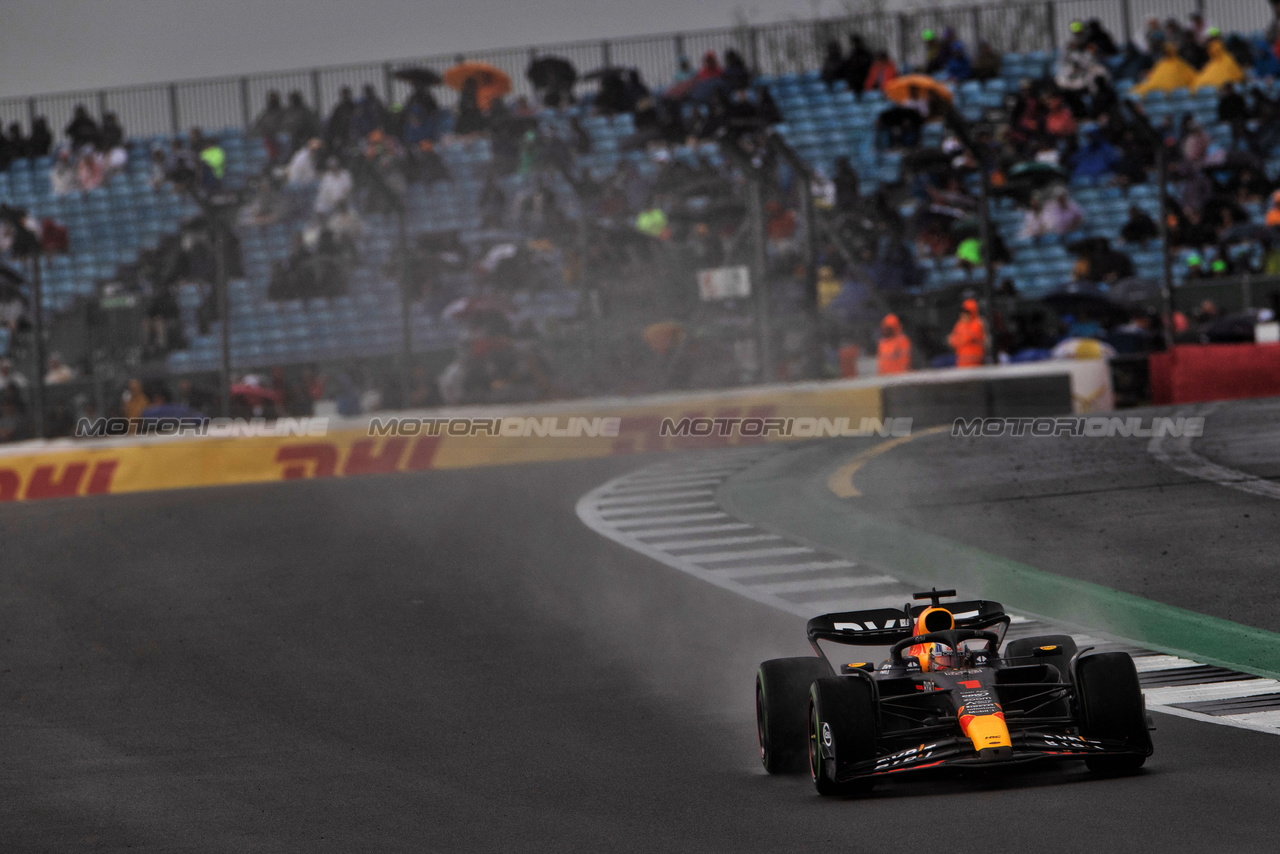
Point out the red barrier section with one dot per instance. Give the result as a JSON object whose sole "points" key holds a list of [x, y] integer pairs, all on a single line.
{"points": [[1198, 373]]}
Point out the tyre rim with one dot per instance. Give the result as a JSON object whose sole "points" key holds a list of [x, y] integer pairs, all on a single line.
{"points": [[760, 722], [815, 756]]}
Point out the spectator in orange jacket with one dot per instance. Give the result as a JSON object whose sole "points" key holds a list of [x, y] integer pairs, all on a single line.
{"points": [[893, 354], [969, 337]]}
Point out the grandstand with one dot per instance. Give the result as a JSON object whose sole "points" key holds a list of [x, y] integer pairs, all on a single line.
{"points": [[111, 225]]}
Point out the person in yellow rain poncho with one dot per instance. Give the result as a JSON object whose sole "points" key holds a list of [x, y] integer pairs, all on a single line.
{"points": [[1168, 74], [1221, 68], [828, 286]]}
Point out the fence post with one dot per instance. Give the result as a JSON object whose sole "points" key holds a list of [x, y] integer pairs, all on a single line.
{"points": [[1051, 24], [679, 48], [1126, 26], [975, 15], [102, 103], [315, 91], [175, 121], [753, 33], [31, 112], [246, 111], [388, 81], [606, 54]]}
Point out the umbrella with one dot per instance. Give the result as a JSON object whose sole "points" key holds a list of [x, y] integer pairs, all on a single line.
{"points": [[899, 89], [469, 308], [418, 76], [1083, 348], [10, 276], [606, 71], [491, 82], [1136, 291], [1076, 297], [1027, 178], [927, 159], [1249, 232], [1038, 172], [255, 393], [547, 71], [962, 229]]}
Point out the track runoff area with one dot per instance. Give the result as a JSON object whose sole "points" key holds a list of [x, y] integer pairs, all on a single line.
{"points": [[680, 514]]}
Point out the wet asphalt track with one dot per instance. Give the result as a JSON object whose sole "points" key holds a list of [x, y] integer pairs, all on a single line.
{"points": [[452, 662]]}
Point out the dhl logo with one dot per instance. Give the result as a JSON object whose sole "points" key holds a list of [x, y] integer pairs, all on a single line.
{"points": [[58, 481]]}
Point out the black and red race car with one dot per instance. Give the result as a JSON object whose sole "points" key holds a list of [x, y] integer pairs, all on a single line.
{"points": [[946, 696]]}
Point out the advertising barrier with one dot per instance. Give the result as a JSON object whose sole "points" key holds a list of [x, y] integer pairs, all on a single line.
{"points": [[1203, 372], [488, 436]]}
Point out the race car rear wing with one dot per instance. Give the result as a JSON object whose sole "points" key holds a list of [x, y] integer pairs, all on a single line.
{"points": [[887, 626]]}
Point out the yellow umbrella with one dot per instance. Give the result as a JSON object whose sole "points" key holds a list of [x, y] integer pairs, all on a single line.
{"points": [[491, 82], [899, 88]]}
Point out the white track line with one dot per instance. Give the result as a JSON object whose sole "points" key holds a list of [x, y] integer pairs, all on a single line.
{"points": [[1177, 454]]}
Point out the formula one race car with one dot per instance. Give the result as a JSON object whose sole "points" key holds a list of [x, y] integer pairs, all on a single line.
{"points": [[945, 697]]}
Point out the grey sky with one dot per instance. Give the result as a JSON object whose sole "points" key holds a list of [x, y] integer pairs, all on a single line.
{"points": [[59, 45]]}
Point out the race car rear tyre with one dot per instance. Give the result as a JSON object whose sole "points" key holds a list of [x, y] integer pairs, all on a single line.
{"points": [[842, 733], [782, 695], [1111, 707]]}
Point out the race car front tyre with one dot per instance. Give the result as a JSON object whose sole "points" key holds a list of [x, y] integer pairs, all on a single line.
{"points": [[782, 695], [1111, 708], [842, 733]]}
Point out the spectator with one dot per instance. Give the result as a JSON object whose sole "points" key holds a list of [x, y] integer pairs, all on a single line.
{"points": [[112, 134], [59, 372], [370, 113], [298, 122], [82, 130], [736, 74], [335, 187], [90, 170], [62, 177], [17, 146], [858, 64], [158, 169], [1232, 106], [1097, 158], [882, 72], [347, 229], [848, 195], [213, 160], [1139, 228], [1194, 146], [710, 67], [1273, 211], [832, 64], [41, 141], [1060, 122], [986, 64], [470, 120], [684, 71], [268, 126], [1063, 214], [1220, 68], [302, 166], [968, 338], [338, 129]]}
